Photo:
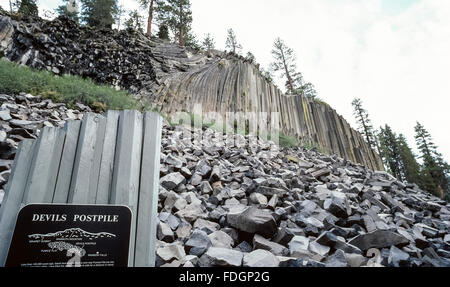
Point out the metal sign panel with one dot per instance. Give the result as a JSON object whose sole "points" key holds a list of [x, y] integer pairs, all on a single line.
{"points": [[71, 236]]}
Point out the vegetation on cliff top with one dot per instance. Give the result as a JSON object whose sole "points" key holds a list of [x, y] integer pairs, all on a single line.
{"points": [[67, 89]]}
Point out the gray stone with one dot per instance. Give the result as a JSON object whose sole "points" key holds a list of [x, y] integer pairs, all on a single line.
{"points": [[203, 168], [447, 238], [298, 246], [192, 212], [174, 161], [319, 249], [355, 260], [273, 202], [216, 174], [198, 243], [206, 226], [244, 246], [327, 239], [165, 233], [172, 181], [171, 251], [196, 179], [221, 239], [206, 188], [338, 259], [184, 230], [221, 257], [336, 207], [260, 258], [5, 115], [260, 242], [398, 257], [379, 239], [253, 220], [259, 199]]}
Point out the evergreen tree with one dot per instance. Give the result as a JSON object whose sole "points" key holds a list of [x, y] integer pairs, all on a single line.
{"points": [[266, 74], [190, 40], [208, 43], [27, 8], [365, 125], [232, 42], [435, 170], [390, 151], [285, 63], [134, 21], [409, 167], [99, 13], [177, 15], [163, 32], [250, 57], [69, 9]]}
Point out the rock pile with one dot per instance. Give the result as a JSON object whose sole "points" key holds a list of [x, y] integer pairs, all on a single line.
{"points": [[22, 117], [236, 201], [124, 59], [250, 204]]}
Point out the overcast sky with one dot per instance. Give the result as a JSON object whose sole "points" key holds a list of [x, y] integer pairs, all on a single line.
{"points": [[393, 54]]}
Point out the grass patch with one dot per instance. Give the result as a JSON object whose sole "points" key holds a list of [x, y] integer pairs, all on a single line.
{"points": [[15, 79], [288, 141]]}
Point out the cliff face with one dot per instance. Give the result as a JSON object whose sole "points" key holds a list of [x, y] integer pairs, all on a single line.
{"points": [[233, 85], [175, 79]]}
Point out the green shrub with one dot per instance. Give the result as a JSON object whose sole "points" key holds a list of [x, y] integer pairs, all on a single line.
{"points": [[15, 79]]}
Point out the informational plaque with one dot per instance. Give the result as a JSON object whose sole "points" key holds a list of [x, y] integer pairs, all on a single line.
{"points": [[71, 236]]}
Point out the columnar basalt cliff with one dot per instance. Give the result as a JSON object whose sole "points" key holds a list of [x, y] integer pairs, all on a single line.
{"points": [[233, 85], [174, 79]]}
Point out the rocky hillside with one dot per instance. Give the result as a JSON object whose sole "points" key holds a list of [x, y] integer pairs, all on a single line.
{"points": [[253, 204], [173, 79]]}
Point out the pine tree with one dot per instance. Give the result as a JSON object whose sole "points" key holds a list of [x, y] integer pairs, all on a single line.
{"points": [[134, 21], [190, 40], [250, 57], [390, 151], [434, 169], [69, 9], [99, 13], [163, 32], [208, 43], [177, 15], [27, 8], [365, 125], [266, 74], [285, 63], [409, 167], [232, 42]]}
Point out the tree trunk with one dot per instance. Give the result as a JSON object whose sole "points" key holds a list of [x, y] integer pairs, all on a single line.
{"points": [[150, 18], [10, 6], [181, 31], [291, 84]]}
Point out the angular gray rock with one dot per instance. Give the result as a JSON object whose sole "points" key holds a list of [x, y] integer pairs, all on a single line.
{"points": [[171, 181], [221, 239], [253, 220], [198, 243], [260, 242], [221, 257], [379, 239], [260, 258]]}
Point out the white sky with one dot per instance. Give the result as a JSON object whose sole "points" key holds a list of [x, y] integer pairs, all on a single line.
{"points": [[393, 54]]}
